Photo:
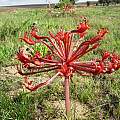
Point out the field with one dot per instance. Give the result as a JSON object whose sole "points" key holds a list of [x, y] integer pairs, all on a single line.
{"points": [[93, 98]]}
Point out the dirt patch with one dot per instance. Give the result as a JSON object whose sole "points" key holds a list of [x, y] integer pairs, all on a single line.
{"points": [[9, 10], [10, 77], [9, 71], [10, 80], [55, 110], [78, 110]]}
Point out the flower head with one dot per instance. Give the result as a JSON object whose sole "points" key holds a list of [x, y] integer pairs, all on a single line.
{"points": [[63, 57]]}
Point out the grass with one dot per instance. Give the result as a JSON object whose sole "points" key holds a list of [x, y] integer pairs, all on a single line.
{"points": [[97, 93]]}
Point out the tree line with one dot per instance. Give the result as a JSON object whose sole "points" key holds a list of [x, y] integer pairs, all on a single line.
{"points": [[108, 2]]}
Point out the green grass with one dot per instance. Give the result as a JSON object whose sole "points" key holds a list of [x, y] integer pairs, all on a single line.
{"points": [[31, 106]]}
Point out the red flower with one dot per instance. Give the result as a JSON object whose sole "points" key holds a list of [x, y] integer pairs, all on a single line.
{"points": [[64, 59], [82, 28], [105, 56], [27, 39], [22, 57]]}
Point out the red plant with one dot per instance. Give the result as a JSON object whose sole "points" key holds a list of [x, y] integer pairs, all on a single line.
{"points": [[68, 8], [64, 59]]}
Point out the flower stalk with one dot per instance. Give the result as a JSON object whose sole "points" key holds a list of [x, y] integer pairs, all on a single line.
{"points": [[67, 96]]}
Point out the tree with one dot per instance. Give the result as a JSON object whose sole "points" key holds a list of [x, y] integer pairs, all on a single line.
{"points": [[67, 1]]}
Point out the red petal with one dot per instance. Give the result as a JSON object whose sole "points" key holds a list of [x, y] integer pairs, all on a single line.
{"points": [[105, 56]]}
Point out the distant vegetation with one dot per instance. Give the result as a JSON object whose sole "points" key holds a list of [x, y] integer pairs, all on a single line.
{"points": [[108, 2]]}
